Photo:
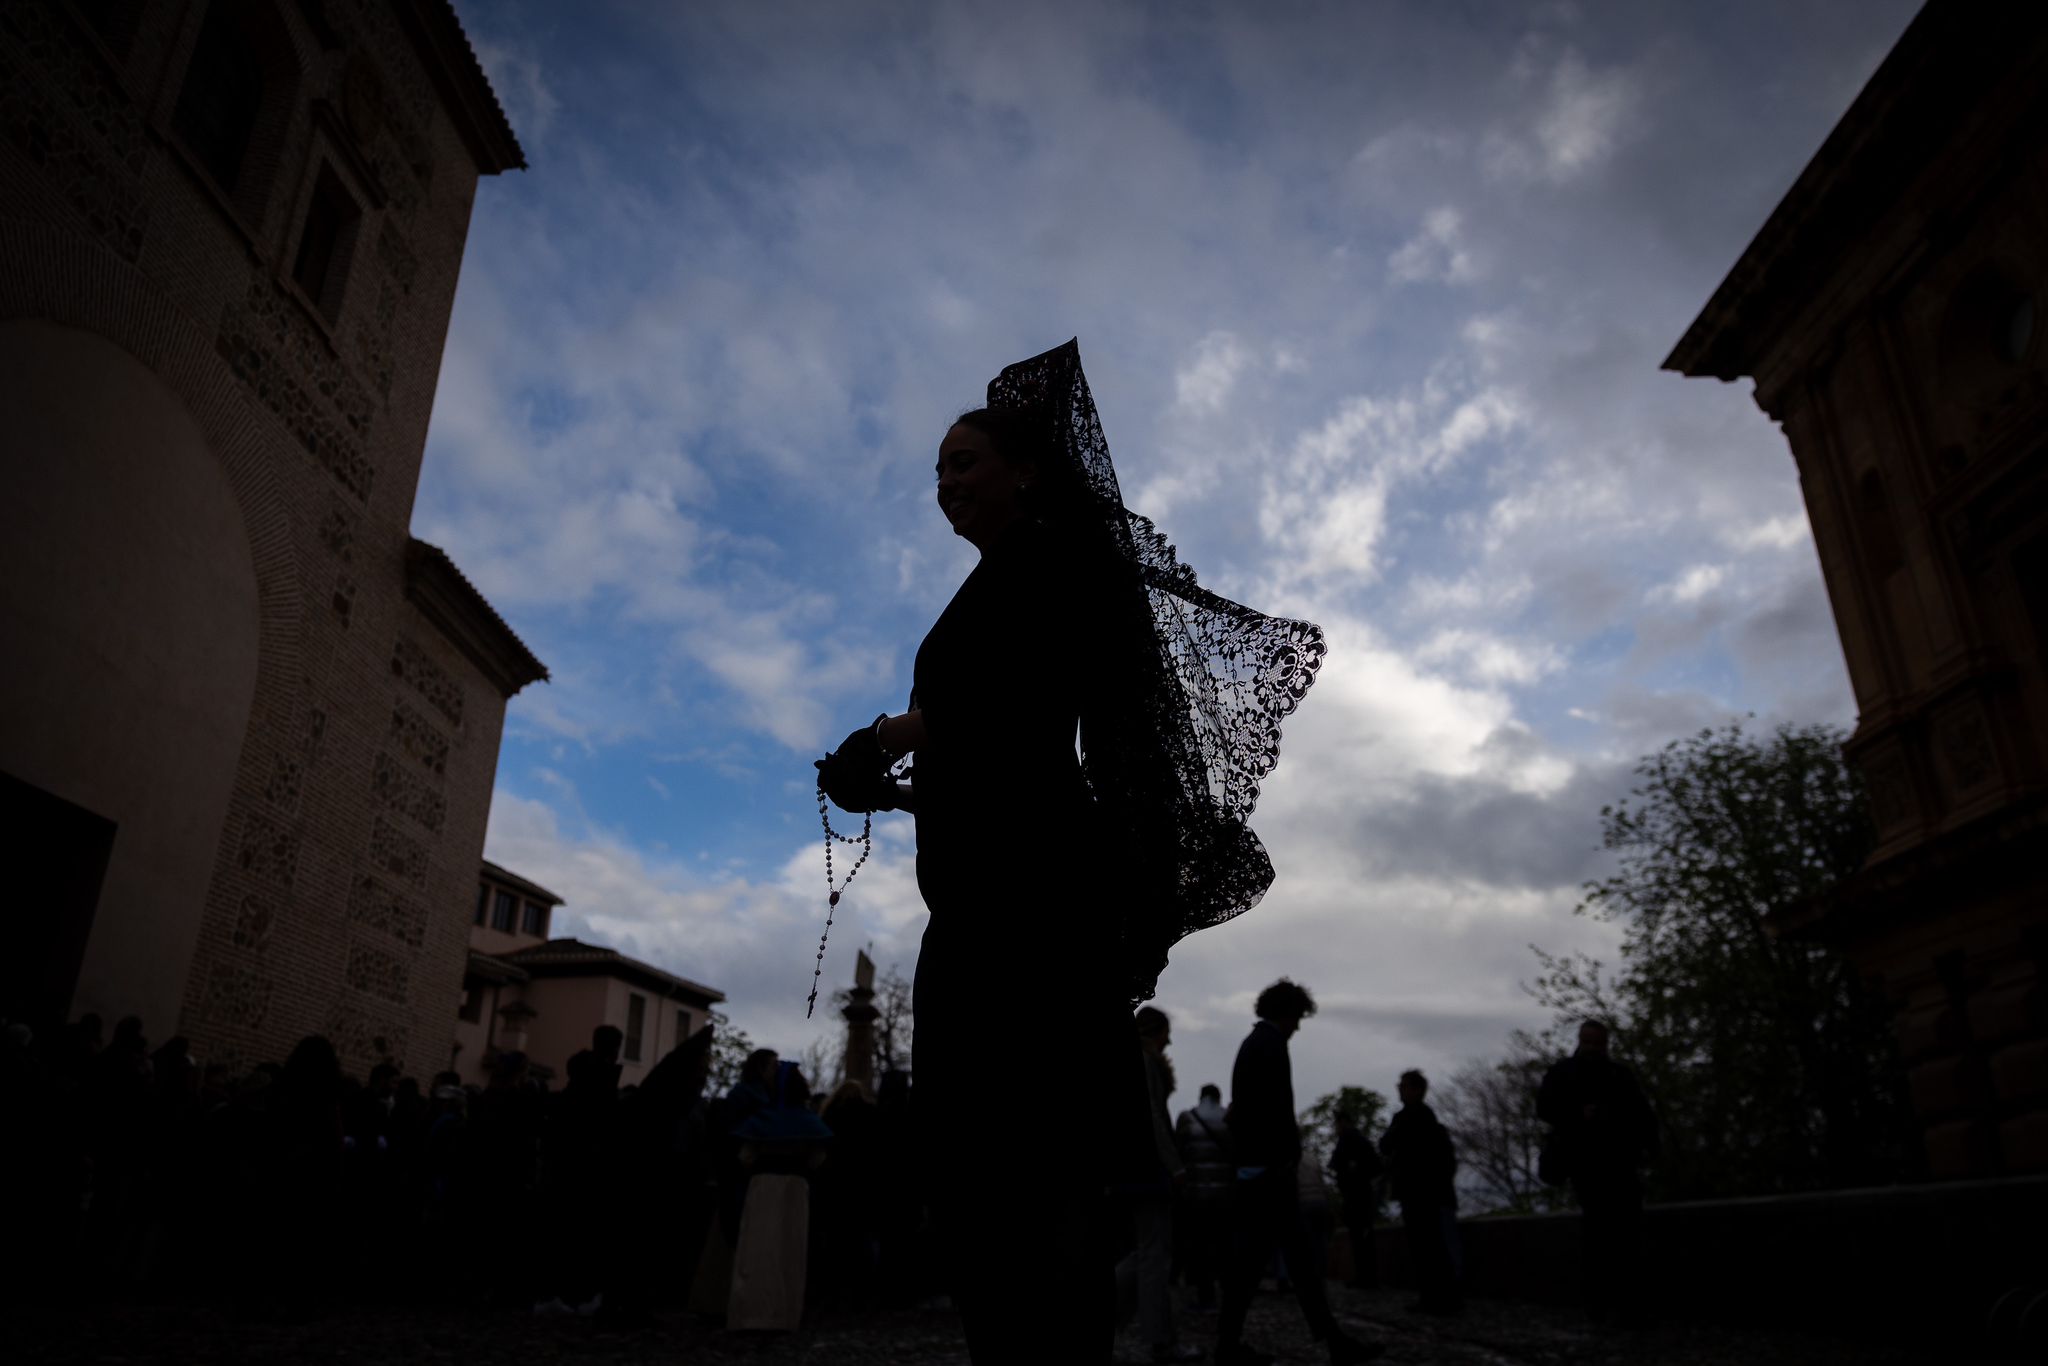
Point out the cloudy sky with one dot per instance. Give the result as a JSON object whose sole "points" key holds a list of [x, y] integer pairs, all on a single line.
{"points": [[1372, 297]]}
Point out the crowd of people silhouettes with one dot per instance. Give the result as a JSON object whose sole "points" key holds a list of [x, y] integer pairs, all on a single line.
{"points": [[292, 1186]]}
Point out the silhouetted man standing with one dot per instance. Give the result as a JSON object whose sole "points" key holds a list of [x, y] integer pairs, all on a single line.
{"points": [[1604, 1130], [1265, 1200], [1421, 1165]]}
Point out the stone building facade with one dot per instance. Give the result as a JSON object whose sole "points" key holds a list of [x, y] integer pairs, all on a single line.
{"points": [[248, 726], [1891, 313]]}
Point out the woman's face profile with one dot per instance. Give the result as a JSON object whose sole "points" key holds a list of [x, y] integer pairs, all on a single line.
{"points": [[977, 486]]}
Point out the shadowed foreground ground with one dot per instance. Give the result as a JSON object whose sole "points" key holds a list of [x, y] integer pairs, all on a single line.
{"points": [[1487, 1335]]}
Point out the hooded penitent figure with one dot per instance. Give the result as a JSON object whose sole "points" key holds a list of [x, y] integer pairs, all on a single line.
{"points": [[1089, 729]]}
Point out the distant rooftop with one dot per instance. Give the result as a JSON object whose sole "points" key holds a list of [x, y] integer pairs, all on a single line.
{"points": [[574, 958]]}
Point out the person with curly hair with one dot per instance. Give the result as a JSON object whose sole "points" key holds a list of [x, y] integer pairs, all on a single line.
{"points": [[1265, 1205]]}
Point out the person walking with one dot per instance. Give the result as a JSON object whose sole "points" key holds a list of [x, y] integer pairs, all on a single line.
{"points": [[1077, 621], [1265, 1205], [1602, 1131], [1422, 1166]]}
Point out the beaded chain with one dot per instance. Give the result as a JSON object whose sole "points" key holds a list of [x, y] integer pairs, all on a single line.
{"points": [[865, 839]]}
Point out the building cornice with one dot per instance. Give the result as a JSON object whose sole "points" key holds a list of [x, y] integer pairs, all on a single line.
{"points": [[494, 969], [455, 607], [574, 958], [1910, 112], [437, 33], [526, 887]]}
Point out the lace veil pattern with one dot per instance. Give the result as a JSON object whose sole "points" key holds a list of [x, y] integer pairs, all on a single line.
{"points": [[1175, 765]]}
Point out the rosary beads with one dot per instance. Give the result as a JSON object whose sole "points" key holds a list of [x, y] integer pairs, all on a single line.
{"points": [[865, 839]]}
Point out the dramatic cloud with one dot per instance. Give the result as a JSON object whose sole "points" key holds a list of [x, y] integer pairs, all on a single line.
{"points": [[1373, 299]]}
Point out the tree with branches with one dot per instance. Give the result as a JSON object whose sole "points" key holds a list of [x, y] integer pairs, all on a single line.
{"points": [[1318, 1123], [729, 1050], [1770, 1064], [1490, 1109]]}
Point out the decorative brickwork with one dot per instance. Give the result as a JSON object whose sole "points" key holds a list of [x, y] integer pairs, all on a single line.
{"points": [[312, 734], [236, 997], [269, 851], [410, 663], [394, 786], [344, 599], [416, 737], [364, 1039], [92, 151], [282, 791], [338, 531], [373, 341], [376, 972], [270, 345], [252, 925], [398, 853], [397, 257], [373, 904]]}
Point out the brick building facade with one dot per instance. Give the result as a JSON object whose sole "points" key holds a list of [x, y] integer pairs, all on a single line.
{"points": [[1891, 312], [249, 726]]}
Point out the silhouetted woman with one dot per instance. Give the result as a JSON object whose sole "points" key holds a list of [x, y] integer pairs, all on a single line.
{"points": [[1057, 880]]}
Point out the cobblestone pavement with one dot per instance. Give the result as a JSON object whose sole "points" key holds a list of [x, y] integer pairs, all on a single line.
{"points": [[1488, 1334]]}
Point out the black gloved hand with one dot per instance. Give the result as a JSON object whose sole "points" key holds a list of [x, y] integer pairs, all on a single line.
{"points": [[854, 787], [861, 751], [856, 775]]}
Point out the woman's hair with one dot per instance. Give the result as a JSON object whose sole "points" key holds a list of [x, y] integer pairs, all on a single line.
{"points": [[1021, 437], [1414, 1075], [1017, 433], [1285, 1000], [1150, 1020]]}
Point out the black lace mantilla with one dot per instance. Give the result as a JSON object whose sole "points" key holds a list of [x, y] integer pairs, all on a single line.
{"points": [[1177, 775]]}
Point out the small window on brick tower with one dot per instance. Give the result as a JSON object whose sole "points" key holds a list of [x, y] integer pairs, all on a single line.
{"points": [[326, 243], [236, 100], [222, 100]]}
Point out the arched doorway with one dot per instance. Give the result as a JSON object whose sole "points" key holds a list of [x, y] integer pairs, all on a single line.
{"points": [[129, 626]]}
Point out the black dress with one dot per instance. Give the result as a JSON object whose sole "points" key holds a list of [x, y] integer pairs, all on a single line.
{"points": [[1027, 1074]]}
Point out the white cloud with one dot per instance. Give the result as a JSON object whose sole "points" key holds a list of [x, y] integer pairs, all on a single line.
{"points": [[1204, 384], [1579, 120], [1695, 583], [1435, 253], [1489, 659], [701, 356], [1773, 533]]}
